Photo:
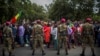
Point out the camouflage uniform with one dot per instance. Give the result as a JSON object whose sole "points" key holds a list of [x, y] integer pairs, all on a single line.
{"points": [[87, 38], [38, 38], [62, 37], [7, 40]]}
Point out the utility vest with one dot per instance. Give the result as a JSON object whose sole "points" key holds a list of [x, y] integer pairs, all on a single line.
{"points": [[62, 30], [38, 29], [87, 29], [7, 32]]}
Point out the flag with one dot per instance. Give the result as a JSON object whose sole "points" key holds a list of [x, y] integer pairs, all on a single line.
{"points": [[15, 18], [18, 15]]}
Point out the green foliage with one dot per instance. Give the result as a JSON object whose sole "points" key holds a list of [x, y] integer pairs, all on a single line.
{"points": [[74, 9], [96, 17], [9, 8]]}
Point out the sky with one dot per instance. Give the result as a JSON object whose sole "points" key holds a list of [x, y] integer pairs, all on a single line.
{"points": [[42, 2]]}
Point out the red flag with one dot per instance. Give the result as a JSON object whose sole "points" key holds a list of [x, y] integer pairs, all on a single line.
{"points": [[13, 20]]}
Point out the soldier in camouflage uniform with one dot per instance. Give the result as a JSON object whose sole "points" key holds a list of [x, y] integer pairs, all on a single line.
{"points": [[87, 36], [7, 40], [62, 36], [38, 36]]}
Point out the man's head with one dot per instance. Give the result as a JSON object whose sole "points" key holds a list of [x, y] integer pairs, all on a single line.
{"points": [[7, 23], [45, 23], [88, 20], [63, 20], [38, 21]]}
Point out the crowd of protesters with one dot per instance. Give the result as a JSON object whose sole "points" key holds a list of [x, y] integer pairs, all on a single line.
{"points": [[22, 33]]}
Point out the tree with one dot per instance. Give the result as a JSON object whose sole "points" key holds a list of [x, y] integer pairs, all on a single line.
{"points": [[59, 9], [9, 8], [73, 9], [98, 5]]}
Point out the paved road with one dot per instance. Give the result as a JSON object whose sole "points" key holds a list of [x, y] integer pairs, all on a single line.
{"points": [[26, 51]]}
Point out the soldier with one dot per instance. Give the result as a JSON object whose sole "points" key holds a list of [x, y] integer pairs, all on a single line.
{"points": [[87, 36], [7, 40], [62, 36], [38, 36]]}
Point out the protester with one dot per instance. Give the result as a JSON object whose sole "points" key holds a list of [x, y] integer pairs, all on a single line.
{"points": [[47, 31], [98, 34], [1, 34], [14, 30], [27, 34], [21, 31], [54, 31]]}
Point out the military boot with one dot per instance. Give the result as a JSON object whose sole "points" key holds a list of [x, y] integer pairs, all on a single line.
{"points": [[10, 54], [3, 52], [93, 54], [33, 53], [82, 54], [66, 52], [58, 52], [43, 53]]}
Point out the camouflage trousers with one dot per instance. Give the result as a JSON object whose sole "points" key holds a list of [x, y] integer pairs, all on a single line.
{"points": [[87, 40], [8, 44], [62, 40], [38, 40]]}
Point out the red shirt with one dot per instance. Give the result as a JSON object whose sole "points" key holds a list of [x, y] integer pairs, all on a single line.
{"points": [[47, 31]]}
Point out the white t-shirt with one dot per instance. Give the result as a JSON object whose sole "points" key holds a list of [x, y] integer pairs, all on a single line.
{"points": [[69, 30], [54, 32]]}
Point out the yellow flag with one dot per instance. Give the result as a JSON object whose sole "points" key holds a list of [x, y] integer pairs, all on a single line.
{"points": [[18, 15]]}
